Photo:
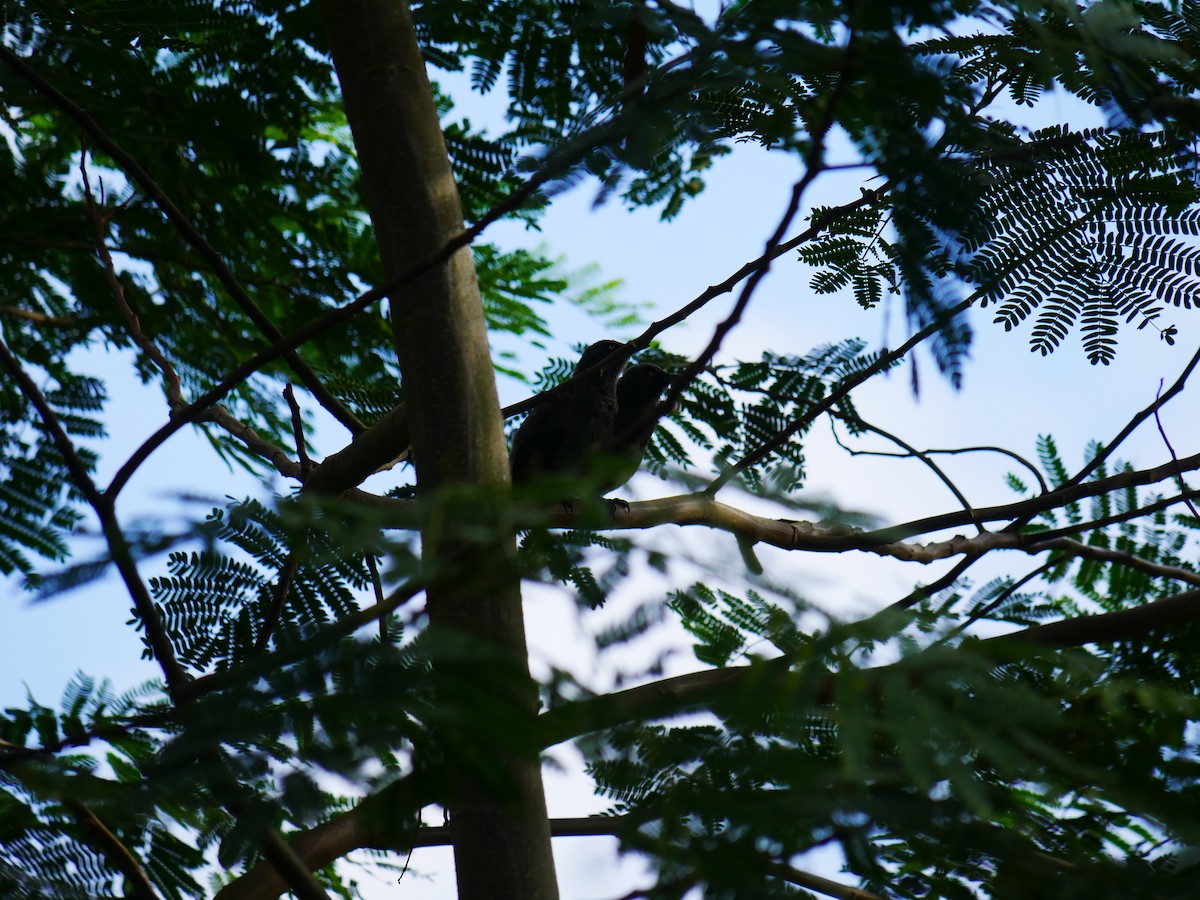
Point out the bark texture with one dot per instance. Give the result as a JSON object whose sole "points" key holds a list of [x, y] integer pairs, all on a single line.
{"points": [[495, 796]]}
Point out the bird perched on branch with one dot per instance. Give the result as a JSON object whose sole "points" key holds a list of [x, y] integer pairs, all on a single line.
{"points": [[564, 433], [638, 393]]}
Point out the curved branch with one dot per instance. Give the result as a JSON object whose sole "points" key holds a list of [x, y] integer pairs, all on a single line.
{"points": [[987, 448], [941, 451], [910, 451], [382, 820], [821, 885]]}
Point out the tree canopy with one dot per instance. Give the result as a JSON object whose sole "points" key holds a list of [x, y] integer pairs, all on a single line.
{"points": [[277, 215]]}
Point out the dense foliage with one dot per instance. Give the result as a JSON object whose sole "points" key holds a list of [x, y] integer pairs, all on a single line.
{"points": [[180, 184]]}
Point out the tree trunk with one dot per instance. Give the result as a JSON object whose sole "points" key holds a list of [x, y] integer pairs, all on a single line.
{"points": [[496, 799]]}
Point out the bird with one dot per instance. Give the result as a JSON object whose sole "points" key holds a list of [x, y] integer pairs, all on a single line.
{"points": [[560, 436], [638, 393]]}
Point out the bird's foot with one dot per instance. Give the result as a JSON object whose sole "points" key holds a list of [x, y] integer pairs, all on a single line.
{"points": [[617, 503]]}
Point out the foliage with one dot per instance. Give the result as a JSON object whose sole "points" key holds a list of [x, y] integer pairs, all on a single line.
{"points": [[221, 211]]}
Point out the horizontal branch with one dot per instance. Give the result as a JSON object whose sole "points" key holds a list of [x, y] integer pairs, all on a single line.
{"points": [[701, 509], [683, 693]]}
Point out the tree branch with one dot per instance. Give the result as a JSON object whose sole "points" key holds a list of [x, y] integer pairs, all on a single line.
{"points": [[278, 600], [681, 693], [1183, 487], [174, 390], [701, 509], [812, 882], [138, 885], [255, 443], [814, 161], [910, 451], [30, 315], [1160, 400]]}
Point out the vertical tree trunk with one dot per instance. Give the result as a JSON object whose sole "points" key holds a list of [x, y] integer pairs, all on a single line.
{"points": [[501, 831]]}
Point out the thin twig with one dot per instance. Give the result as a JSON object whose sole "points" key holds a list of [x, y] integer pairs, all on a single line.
{"points": [[1166, 440], [174, 389], [377, 586], [138, 885], [817, 883], [278, 600], [1132, 425], [956, 451], [922, 593], [910, 451], [306, 464], [255, 443], [997, 601]]}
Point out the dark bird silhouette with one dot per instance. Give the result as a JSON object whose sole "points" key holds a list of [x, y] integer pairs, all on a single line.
{"points": [[559, 437], [638, 393]]}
